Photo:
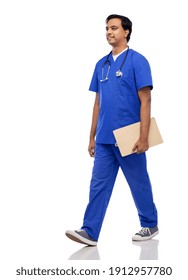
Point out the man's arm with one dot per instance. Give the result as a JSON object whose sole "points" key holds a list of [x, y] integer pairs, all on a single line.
{"points": [[91, 147], [142, 144]]}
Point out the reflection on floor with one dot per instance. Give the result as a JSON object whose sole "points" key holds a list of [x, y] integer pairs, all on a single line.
{"points": [[86, 253], [148, 251]]}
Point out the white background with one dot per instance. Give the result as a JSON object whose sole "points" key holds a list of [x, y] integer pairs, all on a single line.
{"points": [[48, 51]]}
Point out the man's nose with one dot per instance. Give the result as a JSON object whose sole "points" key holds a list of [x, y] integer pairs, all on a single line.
{"points": [[109, 31]]}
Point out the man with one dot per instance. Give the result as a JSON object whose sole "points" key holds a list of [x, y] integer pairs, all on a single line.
{"points": [[122, 81]]}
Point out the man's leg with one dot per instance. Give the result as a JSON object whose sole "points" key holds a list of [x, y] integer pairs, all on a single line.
{"points": [[103, 178], [135, 170]]}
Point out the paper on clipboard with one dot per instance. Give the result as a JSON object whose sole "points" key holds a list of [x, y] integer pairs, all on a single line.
{"points": [[127, 136]]}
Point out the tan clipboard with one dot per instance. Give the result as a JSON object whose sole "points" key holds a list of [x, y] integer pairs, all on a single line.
{"points": [[127, 136]]}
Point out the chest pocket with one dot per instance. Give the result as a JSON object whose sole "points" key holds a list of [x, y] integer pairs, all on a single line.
{"points": [[126, 85]]}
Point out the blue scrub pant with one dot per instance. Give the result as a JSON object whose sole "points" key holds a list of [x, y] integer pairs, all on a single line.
{"points": [[106, 165]]}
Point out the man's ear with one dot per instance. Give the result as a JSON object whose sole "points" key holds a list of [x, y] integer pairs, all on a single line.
{"points": [[126, 33]]}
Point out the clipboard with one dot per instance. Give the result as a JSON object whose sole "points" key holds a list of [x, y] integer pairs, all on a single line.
{"points": [[127, 136]]}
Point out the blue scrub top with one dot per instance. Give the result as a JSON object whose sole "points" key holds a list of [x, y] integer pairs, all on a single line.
{"points": [[118, 96]]}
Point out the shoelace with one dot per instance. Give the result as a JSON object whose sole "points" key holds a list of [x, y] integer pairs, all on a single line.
{"points": [[144, 231]]}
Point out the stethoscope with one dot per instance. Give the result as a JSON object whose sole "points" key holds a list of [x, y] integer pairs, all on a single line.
{"points": [[107, 61]]}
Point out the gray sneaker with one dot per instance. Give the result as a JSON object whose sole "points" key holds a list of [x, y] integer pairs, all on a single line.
{"points": [[81, 236], [145, 234]]}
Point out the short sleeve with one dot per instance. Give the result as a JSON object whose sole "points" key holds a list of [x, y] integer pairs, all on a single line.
{"points": [[94, 86], [142, 72]]}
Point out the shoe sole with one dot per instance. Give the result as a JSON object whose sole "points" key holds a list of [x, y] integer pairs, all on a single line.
{"points": [[78, 238], [139, 238]]}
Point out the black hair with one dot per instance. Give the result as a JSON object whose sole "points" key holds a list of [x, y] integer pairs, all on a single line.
{"points": [[125, 22]]}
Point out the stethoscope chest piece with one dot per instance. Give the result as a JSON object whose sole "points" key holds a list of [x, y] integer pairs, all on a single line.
{"points": [[119, 73]]}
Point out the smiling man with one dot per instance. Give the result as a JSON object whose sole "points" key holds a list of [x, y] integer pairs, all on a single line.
{"points": [[122, 82]]}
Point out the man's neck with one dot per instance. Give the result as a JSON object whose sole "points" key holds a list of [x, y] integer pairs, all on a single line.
{"points": [[118, 49]]}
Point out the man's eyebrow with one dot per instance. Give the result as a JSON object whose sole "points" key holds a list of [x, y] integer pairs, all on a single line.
{"points": [[112, 26]]}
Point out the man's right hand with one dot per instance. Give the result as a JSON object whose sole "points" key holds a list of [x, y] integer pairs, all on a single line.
{"points": [[91, 148]]}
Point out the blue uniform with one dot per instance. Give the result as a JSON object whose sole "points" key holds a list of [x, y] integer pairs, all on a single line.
{"points": [[119, 106]]}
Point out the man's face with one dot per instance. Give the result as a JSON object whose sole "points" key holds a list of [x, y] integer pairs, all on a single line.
{"points": [[115, 34]]}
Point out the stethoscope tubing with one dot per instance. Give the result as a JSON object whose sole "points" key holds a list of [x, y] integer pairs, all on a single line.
{"points": [[107, 61]]}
